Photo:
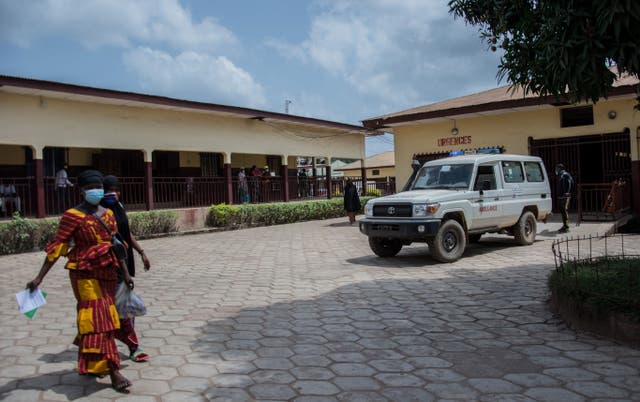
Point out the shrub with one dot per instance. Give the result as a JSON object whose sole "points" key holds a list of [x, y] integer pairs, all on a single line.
{"points": [[223, 215], [145, 223], [374, 192], [47, 232], [606, 286], [21, 235]]}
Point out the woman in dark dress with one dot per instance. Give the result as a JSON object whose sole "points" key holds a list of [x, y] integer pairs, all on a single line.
{"points": [[126, 334], [351, 201]]}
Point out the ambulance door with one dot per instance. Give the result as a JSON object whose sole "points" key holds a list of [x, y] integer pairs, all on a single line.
{"points": [[487, 208]]}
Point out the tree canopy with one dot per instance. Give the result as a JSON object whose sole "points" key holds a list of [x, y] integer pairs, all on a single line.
{"points": [[564, 48]]}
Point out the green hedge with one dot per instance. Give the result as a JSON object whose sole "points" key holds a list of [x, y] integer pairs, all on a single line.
{"points": [[223, 215], [146, 223], [21, 235]]}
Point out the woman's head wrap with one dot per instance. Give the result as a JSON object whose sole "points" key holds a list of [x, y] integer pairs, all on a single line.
{"points": [[89, 177], [110, 182]]}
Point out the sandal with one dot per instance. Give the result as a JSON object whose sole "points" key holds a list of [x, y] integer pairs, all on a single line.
{"points": [[139, 356]]}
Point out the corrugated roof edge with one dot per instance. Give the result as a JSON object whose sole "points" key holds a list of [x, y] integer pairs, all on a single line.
{"points": [[381, 122], [54, 86]]}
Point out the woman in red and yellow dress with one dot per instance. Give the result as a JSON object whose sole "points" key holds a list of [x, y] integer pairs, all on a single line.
{"points": [[92, 268]]}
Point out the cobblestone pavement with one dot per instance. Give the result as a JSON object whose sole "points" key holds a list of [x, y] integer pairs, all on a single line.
{"points": [[306, 312]]}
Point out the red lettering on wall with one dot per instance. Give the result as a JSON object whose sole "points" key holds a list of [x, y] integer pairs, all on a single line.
{"points": [[449, 141]]}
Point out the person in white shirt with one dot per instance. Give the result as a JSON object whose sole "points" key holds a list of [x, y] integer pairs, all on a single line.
{"points": [[62, 183]]}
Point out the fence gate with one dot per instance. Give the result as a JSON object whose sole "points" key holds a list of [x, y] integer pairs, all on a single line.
{"points": [[600, 158]]}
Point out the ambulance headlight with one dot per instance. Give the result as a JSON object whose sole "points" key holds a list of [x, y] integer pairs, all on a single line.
{"points": [[425, 209], [368, 209]]}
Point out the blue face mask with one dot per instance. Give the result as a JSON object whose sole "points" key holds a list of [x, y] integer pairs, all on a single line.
{"points": [[94, 195], [110, 199]]}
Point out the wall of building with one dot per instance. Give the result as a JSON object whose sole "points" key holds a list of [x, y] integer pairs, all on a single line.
{"points": [[74, 124], [510, 130], [12, 155], [248, 160], [189, 159], [82, 156]]}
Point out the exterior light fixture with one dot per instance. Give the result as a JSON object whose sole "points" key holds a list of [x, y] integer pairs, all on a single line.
{"points": [[612, 114], [454, 130]]}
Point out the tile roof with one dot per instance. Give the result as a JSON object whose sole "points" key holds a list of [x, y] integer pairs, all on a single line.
{"points": [[504, 97]]}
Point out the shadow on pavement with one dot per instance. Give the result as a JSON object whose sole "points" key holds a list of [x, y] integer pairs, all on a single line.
{"points": [[384, 335], [341, 224], [63, 382], [418, 254]]}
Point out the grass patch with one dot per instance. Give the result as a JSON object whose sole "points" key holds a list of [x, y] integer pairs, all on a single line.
{"points": [[606, 286]]}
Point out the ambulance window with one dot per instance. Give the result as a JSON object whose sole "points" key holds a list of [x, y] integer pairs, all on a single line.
{"points": [[533, 171], [485, 174], [512, 172]]}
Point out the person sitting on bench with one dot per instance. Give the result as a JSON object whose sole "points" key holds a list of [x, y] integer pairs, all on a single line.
{"points": [[9, 199]]}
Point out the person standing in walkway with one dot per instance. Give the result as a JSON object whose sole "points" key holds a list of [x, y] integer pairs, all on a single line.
{"points": [[243, 186], [93, 270], [303, 183], [255, 178], [351, 201], [62, 192], [563, 194], [126, 334]]}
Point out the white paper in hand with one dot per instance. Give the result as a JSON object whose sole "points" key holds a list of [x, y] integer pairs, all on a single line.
{"points": [[29, 301]]}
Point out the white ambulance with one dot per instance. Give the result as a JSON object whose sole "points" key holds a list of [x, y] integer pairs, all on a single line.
{"points": [[454, 201]]}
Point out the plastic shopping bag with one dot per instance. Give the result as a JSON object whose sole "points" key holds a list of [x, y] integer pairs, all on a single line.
{"points": [[129, 304]]}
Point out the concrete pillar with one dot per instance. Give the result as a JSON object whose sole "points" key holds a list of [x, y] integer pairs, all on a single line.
{"points": [[363, 174], [635, 186], [329, 183], [228, 179], [38, 165], [148, 184], [285, 181]]}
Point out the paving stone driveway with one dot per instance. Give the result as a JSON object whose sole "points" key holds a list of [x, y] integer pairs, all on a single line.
{"points": [[305, 312]]}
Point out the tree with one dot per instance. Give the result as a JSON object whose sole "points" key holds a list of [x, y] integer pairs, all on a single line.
{"points": [[564, 48]]}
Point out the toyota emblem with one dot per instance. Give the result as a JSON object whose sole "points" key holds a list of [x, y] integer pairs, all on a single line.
{"points": [[391, 210]]}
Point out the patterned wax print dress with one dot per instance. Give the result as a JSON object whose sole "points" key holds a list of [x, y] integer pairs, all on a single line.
{"points": [[93, 273]]}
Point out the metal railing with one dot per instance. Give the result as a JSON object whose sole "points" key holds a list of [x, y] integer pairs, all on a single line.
{"points": [[132, 193], [59, 199], [309, 188], [384, 186], [600, 265], [185, 192], [603, 201], [19, 194]]}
